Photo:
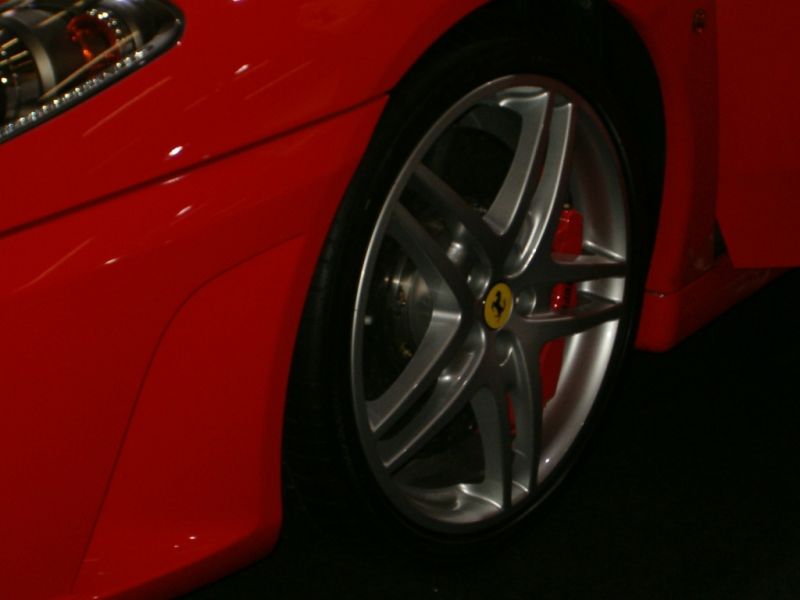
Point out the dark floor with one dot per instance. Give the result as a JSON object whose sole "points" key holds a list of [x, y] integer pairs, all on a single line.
{"points": [[691, 488]]}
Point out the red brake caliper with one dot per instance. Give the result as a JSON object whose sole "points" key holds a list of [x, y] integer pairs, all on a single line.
{"points": [[568, 240]]}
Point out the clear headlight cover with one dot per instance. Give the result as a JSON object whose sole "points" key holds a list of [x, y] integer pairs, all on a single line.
{"points": [[55, 53]]}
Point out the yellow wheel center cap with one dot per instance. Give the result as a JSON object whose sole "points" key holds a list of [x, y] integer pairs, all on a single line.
{"points": [[498, 305]]}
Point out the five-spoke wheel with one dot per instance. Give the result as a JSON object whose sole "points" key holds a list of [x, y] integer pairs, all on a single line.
{"points": [[488, 303], [474, 300]]}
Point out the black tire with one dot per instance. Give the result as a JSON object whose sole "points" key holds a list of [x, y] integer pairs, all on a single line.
{"points": [[328, 463]]}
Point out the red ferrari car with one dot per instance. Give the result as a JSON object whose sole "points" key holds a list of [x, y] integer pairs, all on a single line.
{"points": [[401, 247]]}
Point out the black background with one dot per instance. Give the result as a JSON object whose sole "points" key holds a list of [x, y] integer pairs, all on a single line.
{"points": [[690, 488]]}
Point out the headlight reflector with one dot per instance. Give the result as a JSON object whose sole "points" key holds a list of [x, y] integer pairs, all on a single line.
{"points": [[54, 53]]}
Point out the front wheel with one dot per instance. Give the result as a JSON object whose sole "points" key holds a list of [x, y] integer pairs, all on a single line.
{"points": [[476, 297]]}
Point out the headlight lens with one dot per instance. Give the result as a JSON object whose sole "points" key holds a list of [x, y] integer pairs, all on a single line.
{"points": [[54, 53]]}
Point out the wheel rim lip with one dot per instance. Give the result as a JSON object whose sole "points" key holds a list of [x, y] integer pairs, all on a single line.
{"points": [[559, 446]]}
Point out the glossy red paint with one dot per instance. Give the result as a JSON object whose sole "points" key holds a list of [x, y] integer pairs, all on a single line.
{"points": [[273, 67], [151, 282], [697, 179], [195, 483], [759, 170], [686, 65], [92, 300], [91, 293]]}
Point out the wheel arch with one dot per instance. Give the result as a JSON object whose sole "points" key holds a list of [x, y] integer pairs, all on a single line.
{"points": [[597, 36]]}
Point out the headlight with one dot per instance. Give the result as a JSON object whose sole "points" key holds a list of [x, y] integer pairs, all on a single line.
{"points": [[54, 53]]}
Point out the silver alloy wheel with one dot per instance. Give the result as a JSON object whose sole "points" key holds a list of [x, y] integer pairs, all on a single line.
{"points": [[449, 409]]}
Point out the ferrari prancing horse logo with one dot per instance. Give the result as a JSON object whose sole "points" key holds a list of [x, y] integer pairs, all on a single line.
{"points": [[497, 306]]}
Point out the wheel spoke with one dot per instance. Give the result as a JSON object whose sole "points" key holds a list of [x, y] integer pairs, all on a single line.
{"points": [[508, 211], [551, 195], [585, 267], [437, 350], [591, 311], [440, 273], [491, 415], [528, 404], [451, 394]]}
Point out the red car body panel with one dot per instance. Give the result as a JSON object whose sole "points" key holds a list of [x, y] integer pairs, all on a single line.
{"points": [[157, 242], [688, 284], [271, 68], [97, 299], [686, 65], [759, 171]]}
